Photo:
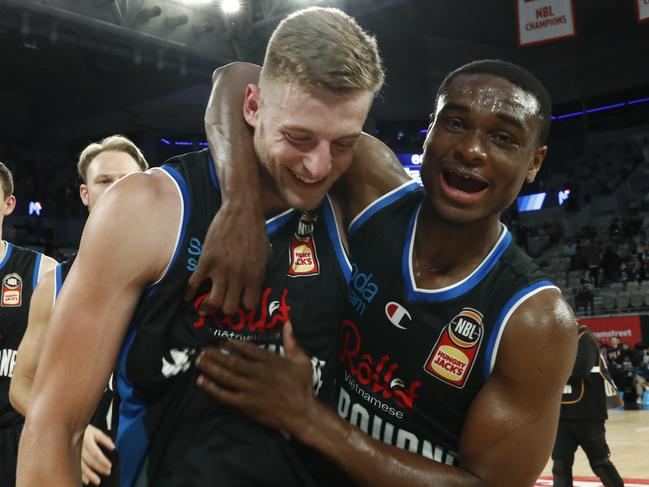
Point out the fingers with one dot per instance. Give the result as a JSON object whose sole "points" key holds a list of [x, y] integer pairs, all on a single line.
{"points": [[88, 476], [251, 295], [195, 280], [214, 301], [232, 298], [92, 455], [104, 440], [226, 369], [218, 392], [291, 348]]}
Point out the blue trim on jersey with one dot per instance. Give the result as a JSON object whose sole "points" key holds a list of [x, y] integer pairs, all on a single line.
{"points": [[432, 296], [132, 440], [37, 270], [334, 235], [7, 255], [381, 203], [215, 180], [495, 331], [58, 279], [182, 184], [275, 223]]}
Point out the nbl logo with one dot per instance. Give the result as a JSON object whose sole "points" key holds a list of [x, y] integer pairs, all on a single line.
{"points": [[12, 291], [465, 329]]}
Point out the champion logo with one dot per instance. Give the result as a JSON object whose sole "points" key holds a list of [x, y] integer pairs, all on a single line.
{"points": [[398, 315]]}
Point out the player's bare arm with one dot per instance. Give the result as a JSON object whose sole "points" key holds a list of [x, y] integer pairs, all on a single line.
{"points": [[32, 343], [514, 416], [235, 265], [125, 247]]}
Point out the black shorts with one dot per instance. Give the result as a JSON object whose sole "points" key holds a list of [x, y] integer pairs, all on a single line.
{"points": [[9, 439], [589, 435]]}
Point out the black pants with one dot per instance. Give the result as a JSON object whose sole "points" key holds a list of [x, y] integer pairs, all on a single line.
{"points": [[590, 435], [9, 439]]}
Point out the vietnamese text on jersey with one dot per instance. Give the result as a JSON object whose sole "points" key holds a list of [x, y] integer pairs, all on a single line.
{"points": [[412, 360]]}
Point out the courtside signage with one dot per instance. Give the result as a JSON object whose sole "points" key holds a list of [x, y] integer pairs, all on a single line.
{"points": [[541, 21]]}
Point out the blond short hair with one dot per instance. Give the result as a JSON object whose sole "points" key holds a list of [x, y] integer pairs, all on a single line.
{"points": [[117, 143], [323, 47], [6, 180]]}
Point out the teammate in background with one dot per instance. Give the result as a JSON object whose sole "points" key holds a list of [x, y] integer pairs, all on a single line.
{"points": [[99, 166], [20, 271], [455, 347], [123, 297], [583, 413]]}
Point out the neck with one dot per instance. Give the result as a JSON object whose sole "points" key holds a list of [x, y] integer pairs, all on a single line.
{"points": [[271, 201], [446, 252]]}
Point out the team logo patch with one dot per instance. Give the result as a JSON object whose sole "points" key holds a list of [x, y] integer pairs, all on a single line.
{"points": [[303, 257], [453, 356], [12, 291], [398, 315]]}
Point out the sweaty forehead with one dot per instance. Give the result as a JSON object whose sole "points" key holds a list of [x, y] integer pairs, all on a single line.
{"points": [[490, 93]]}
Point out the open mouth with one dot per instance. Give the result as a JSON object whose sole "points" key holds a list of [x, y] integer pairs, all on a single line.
{"points": [[304, 179], [463, 182]]}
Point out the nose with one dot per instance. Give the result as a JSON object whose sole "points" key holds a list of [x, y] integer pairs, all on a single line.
{"points": [[318, 160], [470, 148]]}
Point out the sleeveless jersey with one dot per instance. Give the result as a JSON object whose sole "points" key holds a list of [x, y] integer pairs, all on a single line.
{"points": [[170, 432], [412, 360], [19, 270]]}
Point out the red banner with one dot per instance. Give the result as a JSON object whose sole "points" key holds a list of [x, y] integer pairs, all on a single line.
{"points": [[541, 21], [626, 328]]}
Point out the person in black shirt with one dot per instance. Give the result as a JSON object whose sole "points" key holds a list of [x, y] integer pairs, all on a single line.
{"points": [[583, 413]]}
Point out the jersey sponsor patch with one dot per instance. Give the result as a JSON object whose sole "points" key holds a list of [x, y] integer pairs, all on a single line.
{"points": [[12, 291], [453, 356], [304, 258]]}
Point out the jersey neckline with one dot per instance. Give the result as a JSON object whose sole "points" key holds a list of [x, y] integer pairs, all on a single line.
{"points": [[456, 289]]}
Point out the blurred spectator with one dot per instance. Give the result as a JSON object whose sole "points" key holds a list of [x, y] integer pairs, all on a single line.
{"points": [[592, 251], [610, 265]]}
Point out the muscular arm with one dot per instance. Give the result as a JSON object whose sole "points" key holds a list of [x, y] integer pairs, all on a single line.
{"points": [[235, 265], [32, 343], [512, 421], [115, 263]]}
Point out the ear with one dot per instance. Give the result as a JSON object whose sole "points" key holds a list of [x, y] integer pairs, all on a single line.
{"points": [[251, 104], [10, 205], [537, 162], [83, 193]]}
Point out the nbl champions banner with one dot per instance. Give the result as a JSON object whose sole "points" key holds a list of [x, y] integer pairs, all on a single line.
{"points": [[541, 21], [626, 328], [642, 10]]}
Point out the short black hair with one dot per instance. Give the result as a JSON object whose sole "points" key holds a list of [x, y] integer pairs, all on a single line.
{"points": [[517, 76]]}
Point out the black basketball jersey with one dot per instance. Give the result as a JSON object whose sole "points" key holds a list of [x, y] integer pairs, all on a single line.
{"points": [[412, 360], [20, 270], [170, 432]]}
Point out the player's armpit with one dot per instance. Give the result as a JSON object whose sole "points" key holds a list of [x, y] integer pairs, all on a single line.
{"points": [[511, 425], [125, 246], [31, 345], [375, 171]]}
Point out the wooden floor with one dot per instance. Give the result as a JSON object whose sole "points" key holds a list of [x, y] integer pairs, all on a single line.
{"points": [[627, 434]]}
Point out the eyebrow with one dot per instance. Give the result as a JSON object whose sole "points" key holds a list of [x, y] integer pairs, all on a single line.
{"points": [[299, 128], [505, 117]]}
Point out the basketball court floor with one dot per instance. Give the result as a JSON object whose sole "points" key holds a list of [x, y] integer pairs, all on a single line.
{"points": [[627, 433]]}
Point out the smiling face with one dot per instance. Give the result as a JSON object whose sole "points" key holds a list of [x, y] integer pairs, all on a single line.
{"points": [[305, 137], [481, 146]]}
